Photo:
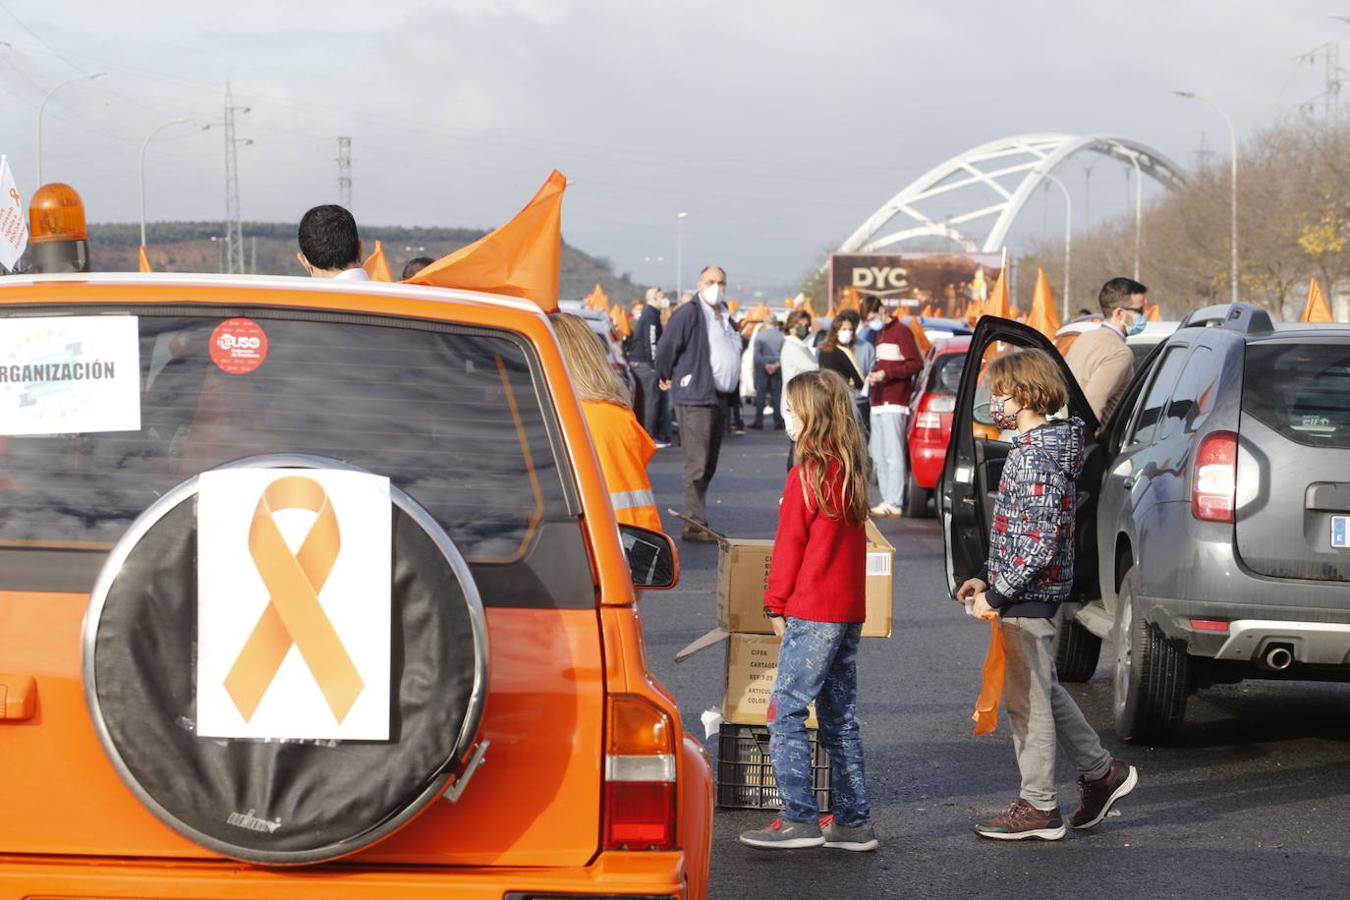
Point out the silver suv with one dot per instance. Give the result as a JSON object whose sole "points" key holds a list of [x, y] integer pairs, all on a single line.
{"points": [[1214, 513]]}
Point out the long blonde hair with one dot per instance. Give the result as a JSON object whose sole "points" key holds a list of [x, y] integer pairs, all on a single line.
{"points": [[591, 374], [822, 402]]}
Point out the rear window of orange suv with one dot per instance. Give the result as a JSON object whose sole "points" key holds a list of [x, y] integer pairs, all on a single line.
{"points": [[455, 416]]}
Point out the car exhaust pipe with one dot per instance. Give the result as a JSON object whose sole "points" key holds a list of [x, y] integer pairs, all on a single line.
{"points": [[1279, 658]]}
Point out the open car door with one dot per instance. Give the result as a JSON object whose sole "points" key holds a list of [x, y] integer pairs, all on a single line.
{"points": [[978, 450]]}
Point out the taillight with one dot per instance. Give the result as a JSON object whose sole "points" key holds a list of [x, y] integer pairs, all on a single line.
{"points": [[640, 797], [928, 422], [1215, 625], [1214, 483]]}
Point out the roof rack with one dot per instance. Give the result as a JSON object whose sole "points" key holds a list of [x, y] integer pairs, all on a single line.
{"points": [[1244, 318]]}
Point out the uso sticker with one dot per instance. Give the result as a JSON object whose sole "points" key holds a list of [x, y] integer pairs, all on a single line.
{"points": [[238, 346]]}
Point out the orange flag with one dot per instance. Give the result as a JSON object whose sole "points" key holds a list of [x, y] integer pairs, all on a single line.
{"points": [[144, 264], [1044, 315], [377, 266], [991, 683], [999, 303], [597, 299], [920, 337], [1316, 309], [620, 320], [1153, 312], [849, 299], [519, 259], [973, 312], [733, 305], [927, 310]]}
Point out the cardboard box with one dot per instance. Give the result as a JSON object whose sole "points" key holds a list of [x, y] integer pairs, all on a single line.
{"points": [[752, 666], [880, 584], [742, 577], [743, 574]]}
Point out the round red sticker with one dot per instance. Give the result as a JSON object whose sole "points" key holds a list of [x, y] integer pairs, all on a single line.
{"points": [[238, 346]]}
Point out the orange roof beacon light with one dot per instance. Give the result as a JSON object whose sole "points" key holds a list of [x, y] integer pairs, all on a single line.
{"points": [[59, 236]]}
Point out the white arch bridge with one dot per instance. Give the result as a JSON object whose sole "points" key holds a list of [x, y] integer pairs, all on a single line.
{"points": [[992, 183]]}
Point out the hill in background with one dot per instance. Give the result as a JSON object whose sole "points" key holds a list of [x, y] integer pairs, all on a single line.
{"points": [[270, 248]]}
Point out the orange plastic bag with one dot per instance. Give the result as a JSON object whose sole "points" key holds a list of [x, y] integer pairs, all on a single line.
{"points": [[991, 688]]}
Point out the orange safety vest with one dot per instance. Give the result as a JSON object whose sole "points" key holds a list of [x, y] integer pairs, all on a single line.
{"points": [[624, 449]]}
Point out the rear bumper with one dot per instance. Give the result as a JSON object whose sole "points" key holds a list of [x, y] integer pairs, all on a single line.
{"points": [[612, 874], [1313, 643]]}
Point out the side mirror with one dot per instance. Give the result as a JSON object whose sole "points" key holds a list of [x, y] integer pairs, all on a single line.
{"points": [[652, 558]]}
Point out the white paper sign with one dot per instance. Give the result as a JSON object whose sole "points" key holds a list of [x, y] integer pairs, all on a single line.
{"points": [[13, 218], [293, 605], [69, 374]]}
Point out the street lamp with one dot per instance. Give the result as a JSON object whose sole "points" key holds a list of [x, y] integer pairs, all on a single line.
{"points": [[144, 146], [90, 76], [1233, 149], [1068, 234], [679, 254]]}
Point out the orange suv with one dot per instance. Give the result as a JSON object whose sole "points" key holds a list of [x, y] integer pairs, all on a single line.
{"points": [[313, 589]]}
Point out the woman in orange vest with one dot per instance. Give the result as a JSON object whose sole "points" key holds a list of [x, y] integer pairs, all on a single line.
{"points": [[621, 443]]}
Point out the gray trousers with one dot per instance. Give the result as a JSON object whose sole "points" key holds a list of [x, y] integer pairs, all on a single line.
{"points": [[701, 429], [651, 397], [1040, 711]]}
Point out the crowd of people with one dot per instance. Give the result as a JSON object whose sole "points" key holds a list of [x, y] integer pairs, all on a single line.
{"points": [[843, 406]]}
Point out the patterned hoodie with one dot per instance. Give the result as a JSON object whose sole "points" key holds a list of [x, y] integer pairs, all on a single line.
{"points": [[1031, 546]]}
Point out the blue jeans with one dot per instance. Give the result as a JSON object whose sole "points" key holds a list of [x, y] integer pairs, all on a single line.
{"points": [[818, 661], [888, 451]]}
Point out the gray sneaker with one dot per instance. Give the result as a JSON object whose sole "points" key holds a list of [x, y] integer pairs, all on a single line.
{"points": [[842, 837], [784, 835]]}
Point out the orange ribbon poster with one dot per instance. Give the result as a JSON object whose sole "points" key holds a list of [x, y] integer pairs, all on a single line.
{"points": [[297, 642], [293, 615]]}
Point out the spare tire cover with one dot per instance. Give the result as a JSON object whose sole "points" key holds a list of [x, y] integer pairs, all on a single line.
{"points": [[281, 802]]}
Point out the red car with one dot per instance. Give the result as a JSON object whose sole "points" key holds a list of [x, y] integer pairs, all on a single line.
{"points": [[930, 421]]}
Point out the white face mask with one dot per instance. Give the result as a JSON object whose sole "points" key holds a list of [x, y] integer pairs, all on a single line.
{"points": [[846, 335], [711, 294], [792, 425]]}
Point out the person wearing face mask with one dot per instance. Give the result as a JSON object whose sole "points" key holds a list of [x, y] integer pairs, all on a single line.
{"points": [[1028, 575], [642, 358], [891, 383], [873, 319], [698, 361], [797, 356], [1100, 360], [843, 353]]}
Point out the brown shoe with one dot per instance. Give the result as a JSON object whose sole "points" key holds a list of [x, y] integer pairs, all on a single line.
{"points": [[1100, 795], [1022, 821], [697, 535]]}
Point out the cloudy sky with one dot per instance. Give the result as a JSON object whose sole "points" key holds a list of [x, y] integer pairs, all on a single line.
{"points": [[777, 126]]}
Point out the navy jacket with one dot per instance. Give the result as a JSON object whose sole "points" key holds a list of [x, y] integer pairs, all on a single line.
{"points": [[1031, 553], [646, 334], [684, 358]]}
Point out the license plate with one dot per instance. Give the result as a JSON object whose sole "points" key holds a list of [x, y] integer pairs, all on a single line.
{"points": [[1340, 531]]}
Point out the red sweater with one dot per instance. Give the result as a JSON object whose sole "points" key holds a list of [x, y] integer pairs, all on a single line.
{"points": [[899, 359], [819, 568]]}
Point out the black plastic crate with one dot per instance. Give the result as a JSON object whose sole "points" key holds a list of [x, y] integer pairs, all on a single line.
{"points": [[745, 772]]}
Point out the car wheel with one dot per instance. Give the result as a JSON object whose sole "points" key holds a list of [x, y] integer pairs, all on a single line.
{"points": [[1077, 651], [916, 499], [1152, 674]]}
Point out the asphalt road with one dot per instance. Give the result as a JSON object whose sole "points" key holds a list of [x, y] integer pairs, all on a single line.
{"points": [[1254, 801]]}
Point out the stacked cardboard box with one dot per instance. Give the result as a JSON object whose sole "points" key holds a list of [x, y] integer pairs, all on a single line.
{"points": [[752, 647]]}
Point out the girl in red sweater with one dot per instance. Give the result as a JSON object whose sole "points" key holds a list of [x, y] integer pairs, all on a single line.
{"points": [[816, 599]]}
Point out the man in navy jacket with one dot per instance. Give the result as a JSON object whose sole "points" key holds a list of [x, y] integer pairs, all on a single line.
{"points": [[698, 360], [646, 337]]}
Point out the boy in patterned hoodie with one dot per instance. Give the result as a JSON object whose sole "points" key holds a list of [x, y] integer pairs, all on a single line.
{"points": [[1028, 575]]}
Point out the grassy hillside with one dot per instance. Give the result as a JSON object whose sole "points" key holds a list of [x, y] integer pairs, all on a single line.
{"points": [[187, 247]]}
